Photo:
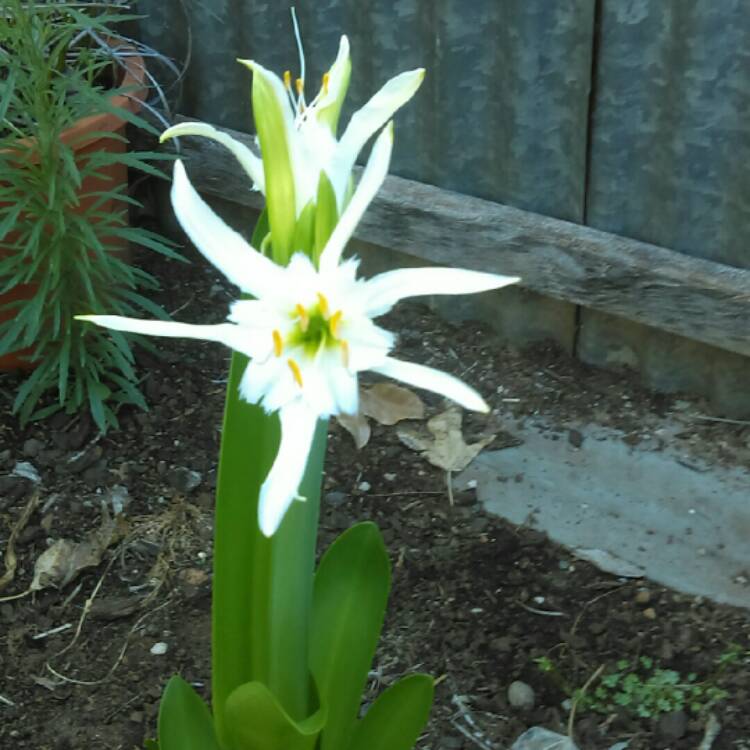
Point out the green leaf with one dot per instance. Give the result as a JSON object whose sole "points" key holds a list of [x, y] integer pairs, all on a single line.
{"points": [[397, 717], [304, 231], [8, 88], [327, 214], [349, 599], [262, 228], [184, 719], [255, 720], [277, 164]]}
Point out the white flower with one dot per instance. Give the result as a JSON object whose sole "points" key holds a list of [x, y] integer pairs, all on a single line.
{"points": [[309, 330], [309, 129]]}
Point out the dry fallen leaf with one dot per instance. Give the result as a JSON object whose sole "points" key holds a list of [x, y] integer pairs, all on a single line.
{"points": [[446, 448], [357, 426], [60, 563], [388, 404]]}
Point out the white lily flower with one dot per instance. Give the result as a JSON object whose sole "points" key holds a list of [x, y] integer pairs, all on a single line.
{"points": [[309, 128], [308, 330]]}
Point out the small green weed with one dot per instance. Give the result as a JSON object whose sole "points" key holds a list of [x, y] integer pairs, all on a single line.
{"points": [[645, 689]]}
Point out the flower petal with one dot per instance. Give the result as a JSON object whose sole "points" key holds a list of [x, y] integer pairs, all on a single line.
{"points": [[284, 168], [375, 114], [329, 104], [433, 380], [241, 339], [282, 483], [369, 184], [251, 163], [385, 289], [226, 249]]}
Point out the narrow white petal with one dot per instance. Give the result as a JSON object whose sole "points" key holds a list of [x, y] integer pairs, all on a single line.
{"points": [[251, 163], [433, 380], [338, 74], [369, 184], [384, 290], [282, 483], [220, 244], [375, 114], [235, 337]]}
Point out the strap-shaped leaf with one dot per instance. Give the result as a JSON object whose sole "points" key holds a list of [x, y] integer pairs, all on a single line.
{"points": [[326, 214], [397, 717], [185, 722], [255, 720], [349, 599], [304, 231]]}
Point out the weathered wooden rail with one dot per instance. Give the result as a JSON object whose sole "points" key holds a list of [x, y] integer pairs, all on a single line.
{"points": [[696, 298]]}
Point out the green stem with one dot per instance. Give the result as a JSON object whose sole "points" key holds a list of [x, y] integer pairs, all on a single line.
{"points": [[262, 588]]}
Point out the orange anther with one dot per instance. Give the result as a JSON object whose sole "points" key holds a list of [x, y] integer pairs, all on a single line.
{"points": [[300, 86], [323, 304], [326, 81], [288, 79], [296, 372], [278, 343], [334, 322]]}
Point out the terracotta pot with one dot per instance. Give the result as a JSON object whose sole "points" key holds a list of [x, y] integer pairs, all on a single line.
{"points": [[112, 176]]}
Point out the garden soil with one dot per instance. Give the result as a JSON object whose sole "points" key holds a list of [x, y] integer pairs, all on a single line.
{"points": [[476, 601]]}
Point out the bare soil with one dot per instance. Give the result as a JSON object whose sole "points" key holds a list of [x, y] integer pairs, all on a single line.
{"points": [[475, 600]]}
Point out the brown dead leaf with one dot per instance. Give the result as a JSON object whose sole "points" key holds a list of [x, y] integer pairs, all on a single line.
{"points": [[446, 448], [60, 563], [357, 426], [10, 551], [388, 404]]}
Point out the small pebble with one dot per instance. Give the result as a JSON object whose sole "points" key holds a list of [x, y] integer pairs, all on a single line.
{"points": [[649, 613], [159, 649], [672, 726], [336, 498], [521, 695], [643, 596], [364, 486], [389, 477], [575, 438]]}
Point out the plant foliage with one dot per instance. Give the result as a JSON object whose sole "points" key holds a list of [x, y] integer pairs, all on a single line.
{"points": [[60, 240]]}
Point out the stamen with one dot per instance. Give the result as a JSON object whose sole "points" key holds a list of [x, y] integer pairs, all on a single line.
{"points": [[278, 343], [344, 353], [300, 86], [334, 322], [323, 304], [288, 80], [296, 372], [326, 81], [304, 318]]}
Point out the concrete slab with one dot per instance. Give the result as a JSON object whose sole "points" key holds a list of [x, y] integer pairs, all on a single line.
{"points": [[684, 524]]}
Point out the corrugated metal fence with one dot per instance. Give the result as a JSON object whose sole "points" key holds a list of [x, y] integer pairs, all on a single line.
{"points": [[631, 116]]}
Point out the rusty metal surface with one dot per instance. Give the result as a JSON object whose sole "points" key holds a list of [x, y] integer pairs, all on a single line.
{"points": [[670, 156], [501, 115]]}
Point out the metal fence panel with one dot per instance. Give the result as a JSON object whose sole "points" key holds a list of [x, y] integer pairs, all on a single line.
{"points": [[502, 113], [671, 126]]}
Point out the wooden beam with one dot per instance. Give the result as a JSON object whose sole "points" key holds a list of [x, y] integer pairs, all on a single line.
{"points": [[692, 297]]}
